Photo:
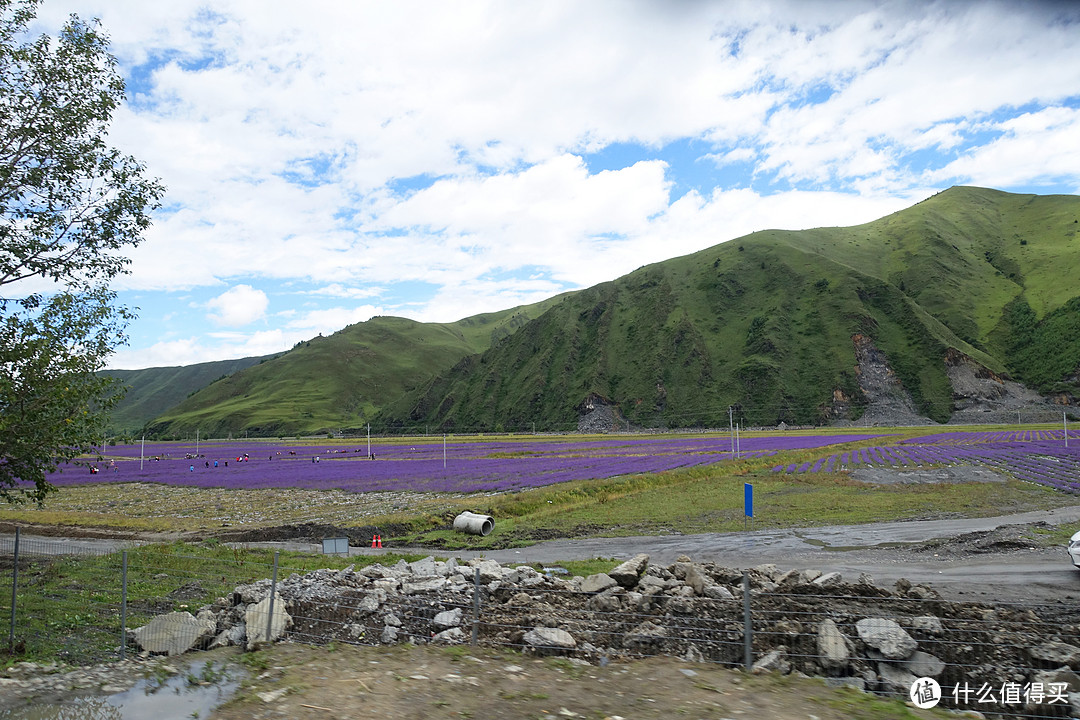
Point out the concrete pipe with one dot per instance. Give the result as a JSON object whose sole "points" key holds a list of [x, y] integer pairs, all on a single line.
{"points": [[474, 524]]}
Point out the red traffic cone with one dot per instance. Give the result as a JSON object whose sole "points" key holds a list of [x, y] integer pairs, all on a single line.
{"points": [[379, 538], [373, 537]]}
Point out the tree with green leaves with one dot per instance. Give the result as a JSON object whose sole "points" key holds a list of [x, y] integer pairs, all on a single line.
{"points": [[70, 205]]}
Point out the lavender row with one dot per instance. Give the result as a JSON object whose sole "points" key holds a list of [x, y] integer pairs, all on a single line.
{"points": [[968, 438], [1042, 459], [719, 446], [467, 467]]}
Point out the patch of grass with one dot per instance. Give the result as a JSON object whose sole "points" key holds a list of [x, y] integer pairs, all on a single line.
{"points": [[572, 669], [151, 507], [712, 501], [258, 660], [68, 608], [456, 652], [1053, 536], [208, 674], [865, 706]]}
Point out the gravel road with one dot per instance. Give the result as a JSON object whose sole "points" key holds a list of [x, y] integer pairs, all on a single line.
{"points": [[991, 558], [982, 558]]}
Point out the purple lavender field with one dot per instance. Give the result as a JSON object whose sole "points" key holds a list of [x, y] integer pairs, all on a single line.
{"points": [[469, 466], [1039, 456]]}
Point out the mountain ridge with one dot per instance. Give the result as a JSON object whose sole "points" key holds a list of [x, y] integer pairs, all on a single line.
{"points": [[918, 282], [763, 323]]}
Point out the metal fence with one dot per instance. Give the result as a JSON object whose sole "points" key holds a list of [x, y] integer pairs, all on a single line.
{"points": [[78, 604]]}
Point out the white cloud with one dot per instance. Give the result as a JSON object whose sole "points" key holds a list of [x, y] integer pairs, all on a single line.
{"points": [[554, 214], [169, 353], [206, 348], [330, 320], [238, 306], [285, 132], [1032, 148]]}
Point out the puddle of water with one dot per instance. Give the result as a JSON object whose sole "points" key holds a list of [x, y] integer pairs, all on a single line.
{"points": [[847, 548], [175, 698], [824, 545]]}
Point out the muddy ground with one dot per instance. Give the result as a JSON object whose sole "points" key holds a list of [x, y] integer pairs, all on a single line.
{"points": [[427, 683]]}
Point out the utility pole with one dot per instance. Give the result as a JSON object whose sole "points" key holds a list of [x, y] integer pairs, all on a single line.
{"points": [[369, 439], [1065, 422], [731, 428]]}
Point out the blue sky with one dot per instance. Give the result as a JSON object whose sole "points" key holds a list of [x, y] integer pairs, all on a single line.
{"points": [[330, 161]]}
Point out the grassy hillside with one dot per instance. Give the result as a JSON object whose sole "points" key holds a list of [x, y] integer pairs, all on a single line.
{"points": [[765, 323], [152, 391], [336, 382]]}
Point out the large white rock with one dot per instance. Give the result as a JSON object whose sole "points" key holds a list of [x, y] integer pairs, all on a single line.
{"points": [[628, 573], [490, 571], [546, 638], [597, 583], [833, 648], [448, 619], [923, 664], [887, 637], [895, 679], [423, 585], [255, 618], [453, 636], [830, 579], [423, 568], [718, 592], [174, 633]]}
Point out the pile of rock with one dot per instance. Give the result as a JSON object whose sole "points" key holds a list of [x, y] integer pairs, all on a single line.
{"points": [[856, 633]]}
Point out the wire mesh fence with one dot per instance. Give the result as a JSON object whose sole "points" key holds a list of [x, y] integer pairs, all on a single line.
{"points": [[87, 605]]}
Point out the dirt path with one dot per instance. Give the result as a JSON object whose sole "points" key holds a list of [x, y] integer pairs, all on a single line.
{"points": [[428, 683]]}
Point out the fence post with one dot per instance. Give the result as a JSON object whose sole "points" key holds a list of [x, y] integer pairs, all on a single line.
{"points": [[14, 588], [123, 606], [476, 606], [748, 626], [273, 591]]}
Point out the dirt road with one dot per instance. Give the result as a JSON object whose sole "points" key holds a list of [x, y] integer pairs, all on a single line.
{"points": [[972, 558], [982, 558]]}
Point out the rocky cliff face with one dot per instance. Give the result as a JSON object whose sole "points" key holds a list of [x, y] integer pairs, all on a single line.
{"points": [[599, 415], [979, 395], [982, 396], [888, 401]]}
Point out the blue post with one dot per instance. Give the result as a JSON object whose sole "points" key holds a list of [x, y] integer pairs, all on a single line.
{"points": [[748, 504]]}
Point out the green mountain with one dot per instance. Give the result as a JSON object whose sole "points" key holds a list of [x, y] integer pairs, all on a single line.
{"points": [[336, 382], [773, 325], [800, 327], [152, 391]]}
